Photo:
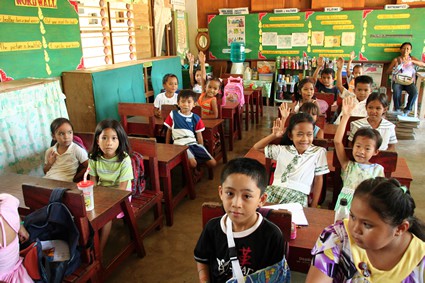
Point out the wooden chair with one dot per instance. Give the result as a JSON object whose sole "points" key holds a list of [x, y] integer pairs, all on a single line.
{"points": [[36, 197], [166, 109], [145, 110], [329, 98], [270, 166], [152, 195], [348, 129], [87, 139], [388, 160], [282, 218]]}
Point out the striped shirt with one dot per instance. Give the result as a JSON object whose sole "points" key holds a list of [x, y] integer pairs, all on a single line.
{"points": [[386, 129], [111, 172]]}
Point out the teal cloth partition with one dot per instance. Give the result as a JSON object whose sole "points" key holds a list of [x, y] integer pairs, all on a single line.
{"points": [[119, 85], [161, 67]]}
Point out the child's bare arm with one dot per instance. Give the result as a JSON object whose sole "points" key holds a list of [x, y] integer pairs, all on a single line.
{"points": [[202, 59], [352, 56], [157, 112], [320, 134], [347, 108], [203, 272], [277, 132], [339, 65], [320, 64], [191, 60], [200, 138], [317, 189], [214, 107], [51, 158], [123, 185]]}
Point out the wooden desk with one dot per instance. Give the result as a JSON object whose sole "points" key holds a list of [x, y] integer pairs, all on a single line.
{"points": [[330, 130], [299, 258], [249, 107], [214, 127], [169, 156], [256, 102], [108, 202], [231, 112]]}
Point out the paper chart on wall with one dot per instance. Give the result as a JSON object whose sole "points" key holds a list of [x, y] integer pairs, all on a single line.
{"points": [[235, 29], [269, 39], [332, 41], [284, 41], [317, 38], [348, 38], [299, 39]]}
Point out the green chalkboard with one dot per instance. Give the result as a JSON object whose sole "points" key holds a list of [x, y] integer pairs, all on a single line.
{"points": [[38, 41], [375, 35]]}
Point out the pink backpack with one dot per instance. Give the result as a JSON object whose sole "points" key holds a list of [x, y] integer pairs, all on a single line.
{"points": [[233, 92]]}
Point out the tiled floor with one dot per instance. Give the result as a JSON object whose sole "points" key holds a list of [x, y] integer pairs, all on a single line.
{"points": [[170, 251]]}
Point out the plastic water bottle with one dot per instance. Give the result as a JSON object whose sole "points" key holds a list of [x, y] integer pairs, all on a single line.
{"points": [[237, 52], [342, 212]]}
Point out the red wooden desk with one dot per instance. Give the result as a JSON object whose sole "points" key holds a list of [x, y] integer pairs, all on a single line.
{"points": [[108, 202], [169, 156], [212, 128], [249, 107], [299, 258], [231, 112], [330, 130], [256, 102]]}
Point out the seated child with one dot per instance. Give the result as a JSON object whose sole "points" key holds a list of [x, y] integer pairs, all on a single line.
{"points": [[362, 90], [326, 82], [305, 93], [11, 233], [198, 82], [64, 158], [376, 106], [170, 84], [243, 181], [186, 128], [313, 110], [382, 241], [300, 164], [357, 71], [208, 99]]}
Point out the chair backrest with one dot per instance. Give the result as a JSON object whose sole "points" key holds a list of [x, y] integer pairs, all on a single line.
{"points": [[87, 139], [36, 197], [166, 109], [137, 109], [147, 148], [282, 218], [197, 110], [320, 122], [329, 98], [386, 158], [348, 129]]}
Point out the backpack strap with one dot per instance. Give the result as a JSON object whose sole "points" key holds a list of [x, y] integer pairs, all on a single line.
{"points": [[57, 195]]}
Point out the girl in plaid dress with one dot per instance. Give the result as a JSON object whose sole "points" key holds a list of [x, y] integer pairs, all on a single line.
{"points": [[300, 164]]}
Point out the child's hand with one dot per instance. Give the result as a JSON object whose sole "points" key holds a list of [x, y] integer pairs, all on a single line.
{"points": [[284, 111], [277, 128], [201, 57], [51, 158], [23, 234], [320, 62], [348, 105], [190, 57], [340, 63], [352, 55]]}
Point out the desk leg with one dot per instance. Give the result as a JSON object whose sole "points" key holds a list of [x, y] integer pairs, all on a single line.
{"points": [[168, 197], [132, 226], [188, 173], [239, 123], [231, 131], [222, 141], [247, 106]]}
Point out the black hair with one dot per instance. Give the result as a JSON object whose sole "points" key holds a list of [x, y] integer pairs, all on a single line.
{"points": [[246, 166], [357, 66], [55, 125], [369, 133], [167, 76], [387, 198], [297, 118], [310, 107], [363, 79], [328, 71], [406, 43], [186, 93], [123, 147], [214, 79], [300, 85], [381, 97]]}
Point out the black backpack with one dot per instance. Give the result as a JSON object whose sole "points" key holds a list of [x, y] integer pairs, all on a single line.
{"points": [[54, 222]]}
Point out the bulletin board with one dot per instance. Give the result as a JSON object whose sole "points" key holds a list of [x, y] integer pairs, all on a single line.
{"points": [[38, 41], [375, 35]]}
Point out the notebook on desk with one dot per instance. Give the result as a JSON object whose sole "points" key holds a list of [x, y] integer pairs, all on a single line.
{"points": [[296, 209]]}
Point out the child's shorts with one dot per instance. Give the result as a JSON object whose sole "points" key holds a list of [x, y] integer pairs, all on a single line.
{"points": [[276, 194], [199, 152]]}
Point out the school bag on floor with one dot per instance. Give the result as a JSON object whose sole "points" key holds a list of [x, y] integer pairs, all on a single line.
{"points": [[138, 184], [233, 92], [53, 222]]}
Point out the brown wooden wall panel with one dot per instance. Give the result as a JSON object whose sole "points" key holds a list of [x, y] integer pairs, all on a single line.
{"points": [[318, 4], [144, 37], [411, 3], [378, 3], [261, 5], [206, 7]]}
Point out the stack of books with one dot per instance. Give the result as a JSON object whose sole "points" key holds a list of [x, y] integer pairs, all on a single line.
{"points": [[404, 127]]}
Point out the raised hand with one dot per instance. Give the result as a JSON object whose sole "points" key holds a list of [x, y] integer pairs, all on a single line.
{"points": [[340, 63], [201, 57], [320, 62], [284, 111], [277, 129], [190, 57], [352, 55], [348, 105], [51, 158]]}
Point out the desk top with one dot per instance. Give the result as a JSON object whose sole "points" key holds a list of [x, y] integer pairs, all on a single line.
{"points": [[209, 123], [104, 198], [167, 152], [22, 83]]}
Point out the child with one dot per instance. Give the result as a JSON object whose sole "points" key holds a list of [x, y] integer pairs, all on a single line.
{"points": [[366, 143], [362, 90], [306, 93], [11, 233], [63, 158], [200, 73], [300, 165], [186, 129], [243, 181], [376, 106], [208, 100], [326, 82], [357, 71], [110, 162], [170, 84], [382, 241], [313, 110]]}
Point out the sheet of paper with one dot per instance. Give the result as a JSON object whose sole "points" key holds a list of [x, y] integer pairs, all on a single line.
{"points": [[269, 38], [284, 41], [61, 249], [298, 216]]}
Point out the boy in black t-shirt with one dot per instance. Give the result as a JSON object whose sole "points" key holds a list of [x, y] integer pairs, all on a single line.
{"points": [[259, 243], [326, 81]]}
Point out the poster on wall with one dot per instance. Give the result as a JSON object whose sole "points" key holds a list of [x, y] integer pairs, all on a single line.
{"points": [[235, 29]]}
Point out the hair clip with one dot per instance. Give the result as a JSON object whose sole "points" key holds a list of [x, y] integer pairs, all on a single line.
{"points": [[404, 189], [365, 270]]}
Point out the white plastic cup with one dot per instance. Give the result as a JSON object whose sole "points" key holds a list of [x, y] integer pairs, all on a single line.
{"points": [[87, 188]]}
